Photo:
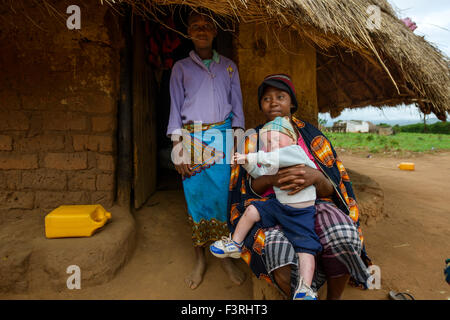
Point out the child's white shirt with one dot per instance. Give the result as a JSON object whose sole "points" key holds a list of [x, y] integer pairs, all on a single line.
{"points": [[265, 163]]}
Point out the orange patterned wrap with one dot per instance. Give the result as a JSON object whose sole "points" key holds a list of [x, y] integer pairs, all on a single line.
{"points": [[321, 148]]}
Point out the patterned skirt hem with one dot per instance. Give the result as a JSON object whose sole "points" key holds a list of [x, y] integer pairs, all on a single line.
{"points": [[206, 231]]}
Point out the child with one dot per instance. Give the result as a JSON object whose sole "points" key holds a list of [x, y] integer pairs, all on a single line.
{"points": [[204, 87], [295, 213]]}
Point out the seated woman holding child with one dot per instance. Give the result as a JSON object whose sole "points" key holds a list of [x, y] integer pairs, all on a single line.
{"points": [[267, 250]]}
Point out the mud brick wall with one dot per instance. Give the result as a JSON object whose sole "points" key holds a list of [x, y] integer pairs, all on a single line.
{"points": [[58, 106], [261, 52]]}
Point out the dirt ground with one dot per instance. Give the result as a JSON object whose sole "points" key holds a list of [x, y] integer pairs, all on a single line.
{"points": [[410, 245]]}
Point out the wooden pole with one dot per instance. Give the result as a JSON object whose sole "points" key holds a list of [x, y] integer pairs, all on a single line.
{"points": [[124, 120]]}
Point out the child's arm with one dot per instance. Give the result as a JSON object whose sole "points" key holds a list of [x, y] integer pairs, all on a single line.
{"points": [[176, 100], [283, 157], [253, 169], [236, 100], [271, 161]]}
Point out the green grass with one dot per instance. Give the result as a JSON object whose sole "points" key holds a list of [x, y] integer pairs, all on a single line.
{"points": [[404, 141]]}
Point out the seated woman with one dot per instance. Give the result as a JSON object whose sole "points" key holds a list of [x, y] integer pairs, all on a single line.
{"points": [[267, 251]]}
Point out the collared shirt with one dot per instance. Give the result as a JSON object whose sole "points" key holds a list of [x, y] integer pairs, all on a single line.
{"points": [[209, 95], [215, 58]]}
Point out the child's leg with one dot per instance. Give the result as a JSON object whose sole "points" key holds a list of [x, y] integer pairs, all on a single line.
{"points": [[232, 247], [248, 219], [306, 266]]}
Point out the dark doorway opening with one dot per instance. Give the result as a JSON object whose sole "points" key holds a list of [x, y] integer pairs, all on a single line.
{"points": [[165, 42]]}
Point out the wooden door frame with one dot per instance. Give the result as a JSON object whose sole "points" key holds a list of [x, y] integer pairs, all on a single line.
{"points": [[125, 115]]}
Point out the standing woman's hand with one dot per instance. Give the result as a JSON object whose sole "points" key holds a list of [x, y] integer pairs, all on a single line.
{"points": [[184, 168]]}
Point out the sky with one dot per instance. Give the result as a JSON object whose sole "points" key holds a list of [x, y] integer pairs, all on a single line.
{"points": [[433, 22]]}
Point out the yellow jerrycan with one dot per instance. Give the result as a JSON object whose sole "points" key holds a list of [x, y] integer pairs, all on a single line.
{"points": [[406, 166], [75, 221]]}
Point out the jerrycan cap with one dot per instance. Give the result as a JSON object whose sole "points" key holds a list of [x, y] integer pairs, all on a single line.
{"points": [[100, 215]]}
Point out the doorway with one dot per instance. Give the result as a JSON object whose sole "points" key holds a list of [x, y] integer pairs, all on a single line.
{"points": [[158, 43]]}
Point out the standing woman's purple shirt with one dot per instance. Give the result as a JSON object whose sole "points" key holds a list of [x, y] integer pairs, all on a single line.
{"points": [[199, 94]]}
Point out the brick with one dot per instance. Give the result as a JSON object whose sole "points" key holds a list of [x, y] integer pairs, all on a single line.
{"points": [[13, 179], [100, 143], [18, 161], [105, 162], [80, 142], [64, 121], [92, 143], [101, 104], [92, 102], [66, 161], [106, 144], [106, 199], [13, 120], [54, 199], [5, 143], [79, 180], [92, 160], [35, 124], [40, 143], [2, 180], [102, 124], [16, 200], [105, 182], [44, 179], [45, 99]]}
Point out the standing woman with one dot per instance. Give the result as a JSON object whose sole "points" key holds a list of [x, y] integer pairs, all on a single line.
{"points": [[267, 251], [205, 90]]}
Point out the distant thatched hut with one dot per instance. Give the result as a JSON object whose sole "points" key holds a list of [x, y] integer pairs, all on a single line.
{"points": [[79, 109]]}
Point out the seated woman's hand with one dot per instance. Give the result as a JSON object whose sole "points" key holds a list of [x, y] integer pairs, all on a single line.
{"points": [[297, 178]]}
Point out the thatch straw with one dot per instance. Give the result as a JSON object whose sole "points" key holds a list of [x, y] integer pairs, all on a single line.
{"points": [[356, 67], [410, 68]]}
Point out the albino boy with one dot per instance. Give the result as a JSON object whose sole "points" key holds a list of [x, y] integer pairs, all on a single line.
{"points": [[295, 213]]}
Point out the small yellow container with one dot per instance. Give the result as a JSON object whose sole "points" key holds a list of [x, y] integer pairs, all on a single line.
{"points": [[75, 221], [406, 166]]}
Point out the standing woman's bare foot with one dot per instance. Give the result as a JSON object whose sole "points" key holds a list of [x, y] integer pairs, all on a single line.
{"points": [[194, 279], [235, 274]]}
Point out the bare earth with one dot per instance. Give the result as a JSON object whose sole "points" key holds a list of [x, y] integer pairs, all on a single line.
{"points": [[410, 245]]}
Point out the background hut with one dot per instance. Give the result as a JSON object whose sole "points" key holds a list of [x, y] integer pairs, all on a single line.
{"points": [[79, 110], [351, 126]]}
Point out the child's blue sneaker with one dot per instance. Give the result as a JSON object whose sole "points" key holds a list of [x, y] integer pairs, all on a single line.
{"points": [[226, 248], [304, 292]]}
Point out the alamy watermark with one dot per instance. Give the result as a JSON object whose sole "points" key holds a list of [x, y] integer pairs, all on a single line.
{"points": [[74, 280], [74, 20], [374, 20], [198, 146], [374, 281]]}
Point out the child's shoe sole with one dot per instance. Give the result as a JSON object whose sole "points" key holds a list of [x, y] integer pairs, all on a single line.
{"points": [[220, 254]]}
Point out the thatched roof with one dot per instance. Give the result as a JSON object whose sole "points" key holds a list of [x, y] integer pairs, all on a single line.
{"points": [[356, 66]]}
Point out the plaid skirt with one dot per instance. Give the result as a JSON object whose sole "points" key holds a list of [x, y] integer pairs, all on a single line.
{"points": [[341, 249]]}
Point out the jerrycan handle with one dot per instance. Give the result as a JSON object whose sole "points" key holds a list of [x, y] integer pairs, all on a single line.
{"points": [[100, 215]]}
